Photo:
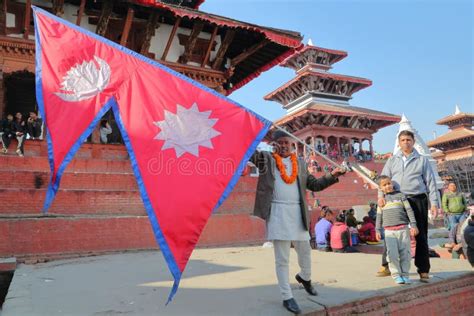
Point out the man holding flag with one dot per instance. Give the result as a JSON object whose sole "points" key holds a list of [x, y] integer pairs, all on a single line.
{"points": [[281, 202]]}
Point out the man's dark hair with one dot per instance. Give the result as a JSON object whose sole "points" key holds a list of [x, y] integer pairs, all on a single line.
{"points": [[103, 123], [380, 178], [406, 133], [326, 212]]}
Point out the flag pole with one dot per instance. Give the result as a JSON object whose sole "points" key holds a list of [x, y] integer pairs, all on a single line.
{"points": [[354, 166]]}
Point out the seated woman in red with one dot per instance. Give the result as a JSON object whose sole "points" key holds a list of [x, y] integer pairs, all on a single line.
{"points": [[341, 236], [367, 231]]}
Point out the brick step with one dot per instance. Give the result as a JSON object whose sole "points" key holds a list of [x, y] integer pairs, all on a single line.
{"points": [[77, 180], [39, 148], [8, 163], [332, 193], [99, 202], [341, 188], [345, 203], [24, 201], [52, 238], [21, 179]]}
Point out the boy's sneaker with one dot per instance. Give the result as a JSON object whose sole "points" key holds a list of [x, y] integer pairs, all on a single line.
{"points": [[4, 150], [407, 280], [399, 280], [18, 151]]}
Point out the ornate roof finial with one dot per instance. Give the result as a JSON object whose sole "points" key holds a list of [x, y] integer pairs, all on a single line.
{"points": [[457, 110], [310, 42]]}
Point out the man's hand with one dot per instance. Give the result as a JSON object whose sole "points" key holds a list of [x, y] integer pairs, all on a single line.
{"points": [[378, 236], [338, 172], [434, 211], [414, 231], [381, 202]]}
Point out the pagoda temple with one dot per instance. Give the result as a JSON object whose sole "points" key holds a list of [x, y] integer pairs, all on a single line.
{"points": [[317, 104], [222, 53], [458, 142], [454, 151]]}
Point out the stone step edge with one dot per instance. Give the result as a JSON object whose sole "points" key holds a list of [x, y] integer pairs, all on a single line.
{"points": [[381, 303]]}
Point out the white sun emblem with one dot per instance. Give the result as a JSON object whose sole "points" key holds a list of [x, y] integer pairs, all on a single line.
{"points": [[186, 130], [84, 81]]}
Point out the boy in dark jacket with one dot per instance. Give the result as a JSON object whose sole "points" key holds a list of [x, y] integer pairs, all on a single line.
{"points": [[6, 128]]}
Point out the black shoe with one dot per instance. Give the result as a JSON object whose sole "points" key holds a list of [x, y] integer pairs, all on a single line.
{"points": [[292, 306], [307, 285]]}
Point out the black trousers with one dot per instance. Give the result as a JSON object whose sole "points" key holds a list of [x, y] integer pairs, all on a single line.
{"points": [[419, 204], [6, 140]]}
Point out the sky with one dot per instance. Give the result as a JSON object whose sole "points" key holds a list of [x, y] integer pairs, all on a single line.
{"points": [[418, 54]]}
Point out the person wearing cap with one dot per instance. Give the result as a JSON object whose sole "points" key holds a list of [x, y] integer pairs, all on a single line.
{"points": [[281, 202]]}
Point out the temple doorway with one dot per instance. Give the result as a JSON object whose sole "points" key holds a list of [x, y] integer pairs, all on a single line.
{"points": [[20, 93]]}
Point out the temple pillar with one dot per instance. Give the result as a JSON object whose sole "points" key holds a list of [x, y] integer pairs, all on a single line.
{"points": [[371, 149], [2, 95], [338, 145]]}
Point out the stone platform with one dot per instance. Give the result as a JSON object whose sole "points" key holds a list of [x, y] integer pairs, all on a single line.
{"points": [[232, 281]]}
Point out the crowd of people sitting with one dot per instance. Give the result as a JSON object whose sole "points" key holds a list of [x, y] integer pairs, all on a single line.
{"points": [[32, 128], [16, 127], [339, 233], [343, 151]]}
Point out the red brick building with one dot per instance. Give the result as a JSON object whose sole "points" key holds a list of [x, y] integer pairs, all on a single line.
{"points": [[98, 207]]}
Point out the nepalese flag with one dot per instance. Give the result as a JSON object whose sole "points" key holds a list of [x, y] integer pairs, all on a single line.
{"points": [[188, 144]]}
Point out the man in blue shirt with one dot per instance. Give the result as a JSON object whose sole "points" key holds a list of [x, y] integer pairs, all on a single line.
{"points": [[322, 230]]}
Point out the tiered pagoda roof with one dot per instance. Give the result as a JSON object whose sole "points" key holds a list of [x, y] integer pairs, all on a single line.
{"points": [[457, 120], [318, 97], [319, 83], [311, 55], [460, 133], [335, 116], [311, 65], [193, 4]]}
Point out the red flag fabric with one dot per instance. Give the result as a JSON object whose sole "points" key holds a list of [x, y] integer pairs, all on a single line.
{"points": [[188, 144]]}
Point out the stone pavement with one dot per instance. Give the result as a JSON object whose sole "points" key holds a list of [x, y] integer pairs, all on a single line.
{"points": [[217, 281]]}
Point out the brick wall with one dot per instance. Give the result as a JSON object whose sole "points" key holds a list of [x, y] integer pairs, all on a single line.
{"points": [[99, 209]]}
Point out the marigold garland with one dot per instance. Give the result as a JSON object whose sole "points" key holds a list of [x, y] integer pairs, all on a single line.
{"points": [[282, 169]]}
